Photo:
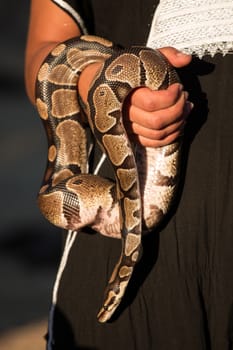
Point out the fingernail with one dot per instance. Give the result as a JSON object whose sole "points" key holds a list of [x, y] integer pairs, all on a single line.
{"points": [[189, 106], [180, 53], [186, 95], [180, 87]]}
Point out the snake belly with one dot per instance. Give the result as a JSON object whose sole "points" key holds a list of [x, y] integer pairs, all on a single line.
{"points": [[70, 197]]}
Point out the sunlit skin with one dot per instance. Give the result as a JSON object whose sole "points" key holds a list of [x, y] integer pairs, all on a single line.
{"points": [[153, 118]]}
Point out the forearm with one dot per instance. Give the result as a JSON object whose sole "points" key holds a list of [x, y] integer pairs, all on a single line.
{"points": [[153, 124], [32, 64], [48, 26]]}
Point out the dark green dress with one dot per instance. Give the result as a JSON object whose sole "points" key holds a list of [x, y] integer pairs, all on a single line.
{"points": [[181, 295]]}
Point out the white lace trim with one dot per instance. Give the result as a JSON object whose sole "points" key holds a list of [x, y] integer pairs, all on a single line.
{"points": [[193, 26]]}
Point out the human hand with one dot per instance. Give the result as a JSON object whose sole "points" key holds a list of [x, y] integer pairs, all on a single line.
{"points": [[157, 118], [152, 118]]}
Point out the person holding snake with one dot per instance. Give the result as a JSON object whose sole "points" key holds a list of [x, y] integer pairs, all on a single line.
{"points": [[131, 157]]}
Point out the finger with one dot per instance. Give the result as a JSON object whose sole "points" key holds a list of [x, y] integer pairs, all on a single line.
{"points": [[177, 58], [159, 119], [157, 135], [156, 143], [150, 101], [161, 134], [158, 138]]}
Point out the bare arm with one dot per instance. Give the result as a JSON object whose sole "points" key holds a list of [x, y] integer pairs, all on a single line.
{"points": [[48, 25], [153, 118]]}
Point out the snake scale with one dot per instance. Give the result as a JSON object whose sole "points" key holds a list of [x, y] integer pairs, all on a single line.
{"points": [[145, 178]]}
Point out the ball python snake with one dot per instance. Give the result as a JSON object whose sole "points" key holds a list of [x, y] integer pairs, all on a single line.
{"points": [[145, 178]]}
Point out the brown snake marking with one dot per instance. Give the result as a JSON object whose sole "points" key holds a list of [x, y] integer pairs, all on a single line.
{"points": [[146, 178]]}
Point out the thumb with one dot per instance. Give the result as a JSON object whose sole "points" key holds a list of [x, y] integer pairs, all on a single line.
{"points": [[177, 58]]}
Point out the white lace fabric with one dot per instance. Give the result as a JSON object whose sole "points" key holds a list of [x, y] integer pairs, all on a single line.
{"points": [[193, 26]]}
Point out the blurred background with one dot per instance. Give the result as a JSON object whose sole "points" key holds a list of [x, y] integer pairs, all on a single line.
{"points": [[29, 246]]}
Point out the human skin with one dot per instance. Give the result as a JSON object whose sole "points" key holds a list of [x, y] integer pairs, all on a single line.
{"points": [[153, 118]]}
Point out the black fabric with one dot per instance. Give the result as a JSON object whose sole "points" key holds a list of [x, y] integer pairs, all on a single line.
{"points": [[181, 295], [124, 22]]}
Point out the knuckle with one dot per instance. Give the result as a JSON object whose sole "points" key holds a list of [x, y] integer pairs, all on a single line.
{"points": [[157, 123], [157, 135], [176, 111], [148, 103]]}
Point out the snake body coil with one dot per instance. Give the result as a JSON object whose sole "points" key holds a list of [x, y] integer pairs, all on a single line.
{"points": [[146, 178]]}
